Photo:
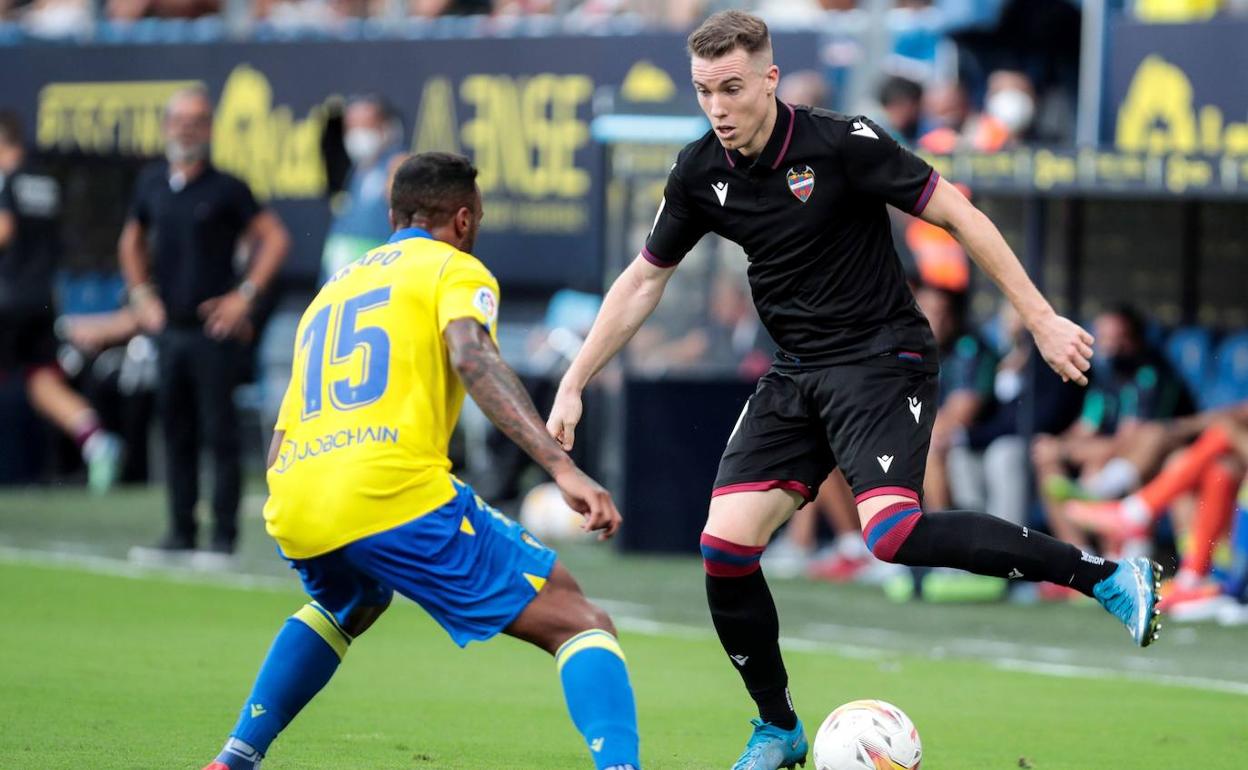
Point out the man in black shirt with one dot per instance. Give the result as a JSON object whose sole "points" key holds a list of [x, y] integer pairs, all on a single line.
{"points": [[854, 384], [177, 254], [30, 208]]}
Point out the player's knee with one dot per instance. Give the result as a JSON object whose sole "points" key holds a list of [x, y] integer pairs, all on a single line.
{"points": [[577, 617], [598, 618], [363, 617], [722, 558], [889, 528]]}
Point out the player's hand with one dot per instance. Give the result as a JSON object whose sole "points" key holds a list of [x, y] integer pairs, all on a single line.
{"points": [[225, 316], [150, 313], [564, 416], [1065, 346], [588, 498]]}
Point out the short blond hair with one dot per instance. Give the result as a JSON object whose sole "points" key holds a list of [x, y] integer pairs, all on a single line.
{"points": [[726, 31]]}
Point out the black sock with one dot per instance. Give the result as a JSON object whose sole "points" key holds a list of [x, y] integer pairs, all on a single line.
{"points": [[745, 619], [986, 545]]}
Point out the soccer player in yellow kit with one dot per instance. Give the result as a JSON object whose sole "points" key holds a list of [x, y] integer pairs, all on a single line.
{"points": [[362, 501]]}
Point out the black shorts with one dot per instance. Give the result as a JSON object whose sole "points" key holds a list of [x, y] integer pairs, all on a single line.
{"points": [[27, 342], [871, 418]]}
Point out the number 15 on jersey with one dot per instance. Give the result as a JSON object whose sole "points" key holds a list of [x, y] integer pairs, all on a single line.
{"points": [[351, 335]]}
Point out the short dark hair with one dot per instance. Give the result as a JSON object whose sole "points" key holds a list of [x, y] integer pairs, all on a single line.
{"points": [[1137, 327], [431, 187], [11, 128], [384, 107], [724, 32], [895, 88]]}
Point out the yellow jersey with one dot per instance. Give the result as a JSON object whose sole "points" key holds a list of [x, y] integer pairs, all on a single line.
{"points": [[372, 398]]}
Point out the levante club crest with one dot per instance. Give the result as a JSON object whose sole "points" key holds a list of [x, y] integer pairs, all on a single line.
{"points": [[801, 182]]}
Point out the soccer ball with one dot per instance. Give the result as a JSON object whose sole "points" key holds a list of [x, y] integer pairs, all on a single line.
{"points": [[544, 513], [867, 735]]}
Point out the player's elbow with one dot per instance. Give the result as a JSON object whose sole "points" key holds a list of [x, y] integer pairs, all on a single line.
{"points": [[645, 281], [965, 222], [461, 362]]}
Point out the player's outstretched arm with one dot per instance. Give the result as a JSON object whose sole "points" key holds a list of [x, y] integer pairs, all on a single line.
{"points": [[629, 302], [1061, 342], [501, 396]]}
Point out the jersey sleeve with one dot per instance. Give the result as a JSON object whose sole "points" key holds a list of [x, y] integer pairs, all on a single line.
{"points": [[676, 229], [244, 204], [141, 205], [877, 165], [466, 289]]}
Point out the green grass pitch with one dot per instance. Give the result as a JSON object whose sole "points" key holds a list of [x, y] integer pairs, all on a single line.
{"points": [[147, 671]]}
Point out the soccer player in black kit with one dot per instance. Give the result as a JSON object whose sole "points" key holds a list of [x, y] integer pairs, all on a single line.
{"points": [[803, 191]]}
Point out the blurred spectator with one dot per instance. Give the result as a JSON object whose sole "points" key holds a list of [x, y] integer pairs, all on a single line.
{"points": [[315, 14], [901, 100], [808, 87], [430, 9], [1009, 113], [50, 19], [30, 245], [732, 339], [1132, 387], [788, 12], [946, 109], [372, 137], [987, 461], [130, 10], [523, 7], [177, 254], [967, 368], [1211, 471]]}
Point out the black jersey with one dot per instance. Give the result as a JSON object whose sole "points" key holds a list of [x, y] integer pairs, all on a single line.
{"points": [[195, 230], [27, 264], [809, 212]]}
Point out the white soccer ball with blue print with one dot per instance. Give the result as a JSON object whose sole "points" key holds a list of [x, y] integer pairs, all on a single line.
{"points": [[867, 735]]}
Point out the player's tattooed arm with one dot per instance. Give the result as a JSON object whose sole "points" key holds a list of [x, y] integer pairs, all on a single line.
{"points": [[498, 392]]}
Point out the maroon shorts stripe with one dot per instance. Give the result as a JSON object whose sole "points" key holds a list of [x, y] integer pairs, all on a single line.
{"points": [[762, 486], [881, 491]]}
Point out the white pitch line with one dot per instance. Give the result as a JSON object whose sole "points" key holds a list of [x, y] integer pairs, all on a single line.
{"points": [[1067, 671], [629, 616]]}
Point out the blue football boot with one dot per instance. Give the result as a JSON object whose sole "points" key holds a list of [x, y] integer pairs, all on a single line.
{"points": [[771, 748], [1130, 594]]}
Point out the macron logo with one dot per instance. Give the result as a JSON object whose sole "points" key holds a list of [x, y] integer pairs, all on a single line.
{"points": [[596, 744], [721, 191], [258, 710], [1014, 574], [862, 129], [739, 659], [885, 461], [916, 408]]}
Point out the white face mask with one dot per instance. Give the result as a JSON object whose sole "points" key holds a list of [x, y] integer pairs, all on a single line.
{"points": [[177, 152], [1012, 107], [363, 145]]}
